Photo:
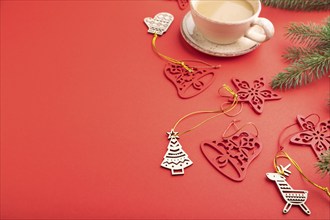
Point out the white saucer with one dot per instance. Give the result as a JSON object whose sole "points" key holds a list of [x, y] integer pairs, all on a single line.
{"points": [[197, 41]]}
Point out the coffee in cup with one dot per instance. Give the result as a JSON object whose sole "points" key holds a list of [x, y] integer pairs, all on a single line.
{"points": [[226, 21]]}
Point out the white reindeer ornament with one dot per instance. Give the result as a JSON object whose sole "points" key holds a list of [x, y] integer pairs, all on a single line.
{"points": [[290, 195]]}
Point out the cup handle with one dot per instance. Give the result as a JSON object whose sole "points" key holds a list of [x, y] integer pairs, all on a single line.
{"points": [[255, 34]]}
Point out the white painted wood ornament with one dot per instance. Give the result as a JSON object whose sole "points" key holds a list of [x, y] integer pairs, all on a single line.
{"points": [[291, 196], [160, 23], [188, 79], [175, 158]]}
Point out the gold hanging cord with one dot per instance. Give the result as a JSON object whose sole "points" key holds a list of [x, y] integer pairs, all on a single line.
{"points": [[282, 154], [233, 123], [179, 62], [217, 112]]}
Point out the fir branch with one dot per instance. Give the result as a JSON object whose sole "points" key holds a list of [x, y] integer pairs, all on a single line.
{"points": [[300, 5], [310, 61], [306, 34], [303, 71], [294, 53], [310, 35], [324, 162]]}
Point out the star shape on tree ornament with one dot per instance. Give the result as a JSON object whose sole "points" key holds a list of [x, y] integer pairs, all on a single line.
{"points": [[173, 134], [317, 136], [255, 94]]}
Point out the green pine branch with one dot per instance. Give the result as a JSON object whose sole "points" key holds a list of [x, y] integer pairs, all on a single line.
{"points": [[324, 162], [305, 34], [294, 53], [308, 61], [299, 5]]}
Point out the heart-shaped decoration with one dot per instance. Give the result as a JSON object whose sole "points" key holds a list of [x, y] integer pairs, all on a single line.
{"points": [[231, 156], [189, 84], [160, 23], [183, 4]]}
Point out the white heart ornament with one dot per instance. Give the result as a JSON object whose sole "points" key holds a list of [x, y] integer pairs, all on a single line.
{"points": [[160, 23]]}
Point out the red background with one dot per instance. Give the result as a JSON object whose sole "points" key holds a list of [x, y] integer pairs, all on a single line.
{"points": [[85, 109]]}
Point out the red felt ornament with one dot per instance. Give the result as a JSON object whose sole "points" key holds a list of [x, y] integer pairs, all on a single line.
{"points": [[255, 94], [189, 83], [183, 4], [233, 154], [175, 158], [315, 135], [188, 80]]}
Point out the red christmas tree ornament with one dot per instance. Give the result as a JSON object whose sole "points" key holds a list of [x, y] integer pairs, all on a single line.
{"points": [[231, 156], [183, 4], [255, 94], [314, 135], [189, 84]]}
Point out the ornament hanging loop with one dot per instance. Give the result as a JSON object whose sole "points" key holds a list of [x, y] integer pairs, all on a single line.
{"points": [[180, 62], [216, 112], [170, 59], [283, 154], [238, 129], [228, 89], [281, 141], [235, 114]]}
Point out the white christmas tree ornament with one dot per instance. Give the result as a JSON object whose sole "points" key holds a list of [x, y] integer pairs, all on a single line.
{"points": [[175, 158]]}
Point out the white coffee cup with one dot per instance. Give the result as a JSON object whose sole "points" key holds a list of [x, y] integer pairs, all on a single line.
{"points": [[226, 21]]}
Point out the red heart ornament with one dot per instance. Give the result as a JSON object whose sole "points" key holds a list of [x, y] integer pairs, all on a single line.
{"points": [[183, 4], [231, 156], [189, 84]]}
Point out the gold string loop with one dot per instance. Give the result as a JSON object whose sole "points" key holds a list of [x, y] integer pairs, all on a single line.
{"points": [[283, 154], [180, 62], [233, 123], [216, 112], [234, 94], [235, 114], [170, 59], [185, 66], [228, 89]]}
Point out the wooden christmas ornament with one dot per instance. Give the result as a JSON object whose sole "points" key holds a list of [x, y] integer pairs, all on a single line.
{"points": [[183, 4], [160, 23], [254, 93], [291, 196], [175, 158], [232, 155], [315, 135], [188, 80], [189, 83]]}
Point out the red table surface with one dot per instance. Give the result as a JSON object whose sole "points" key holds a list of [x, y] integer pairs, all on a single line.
{"points": [[85, 108]]}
